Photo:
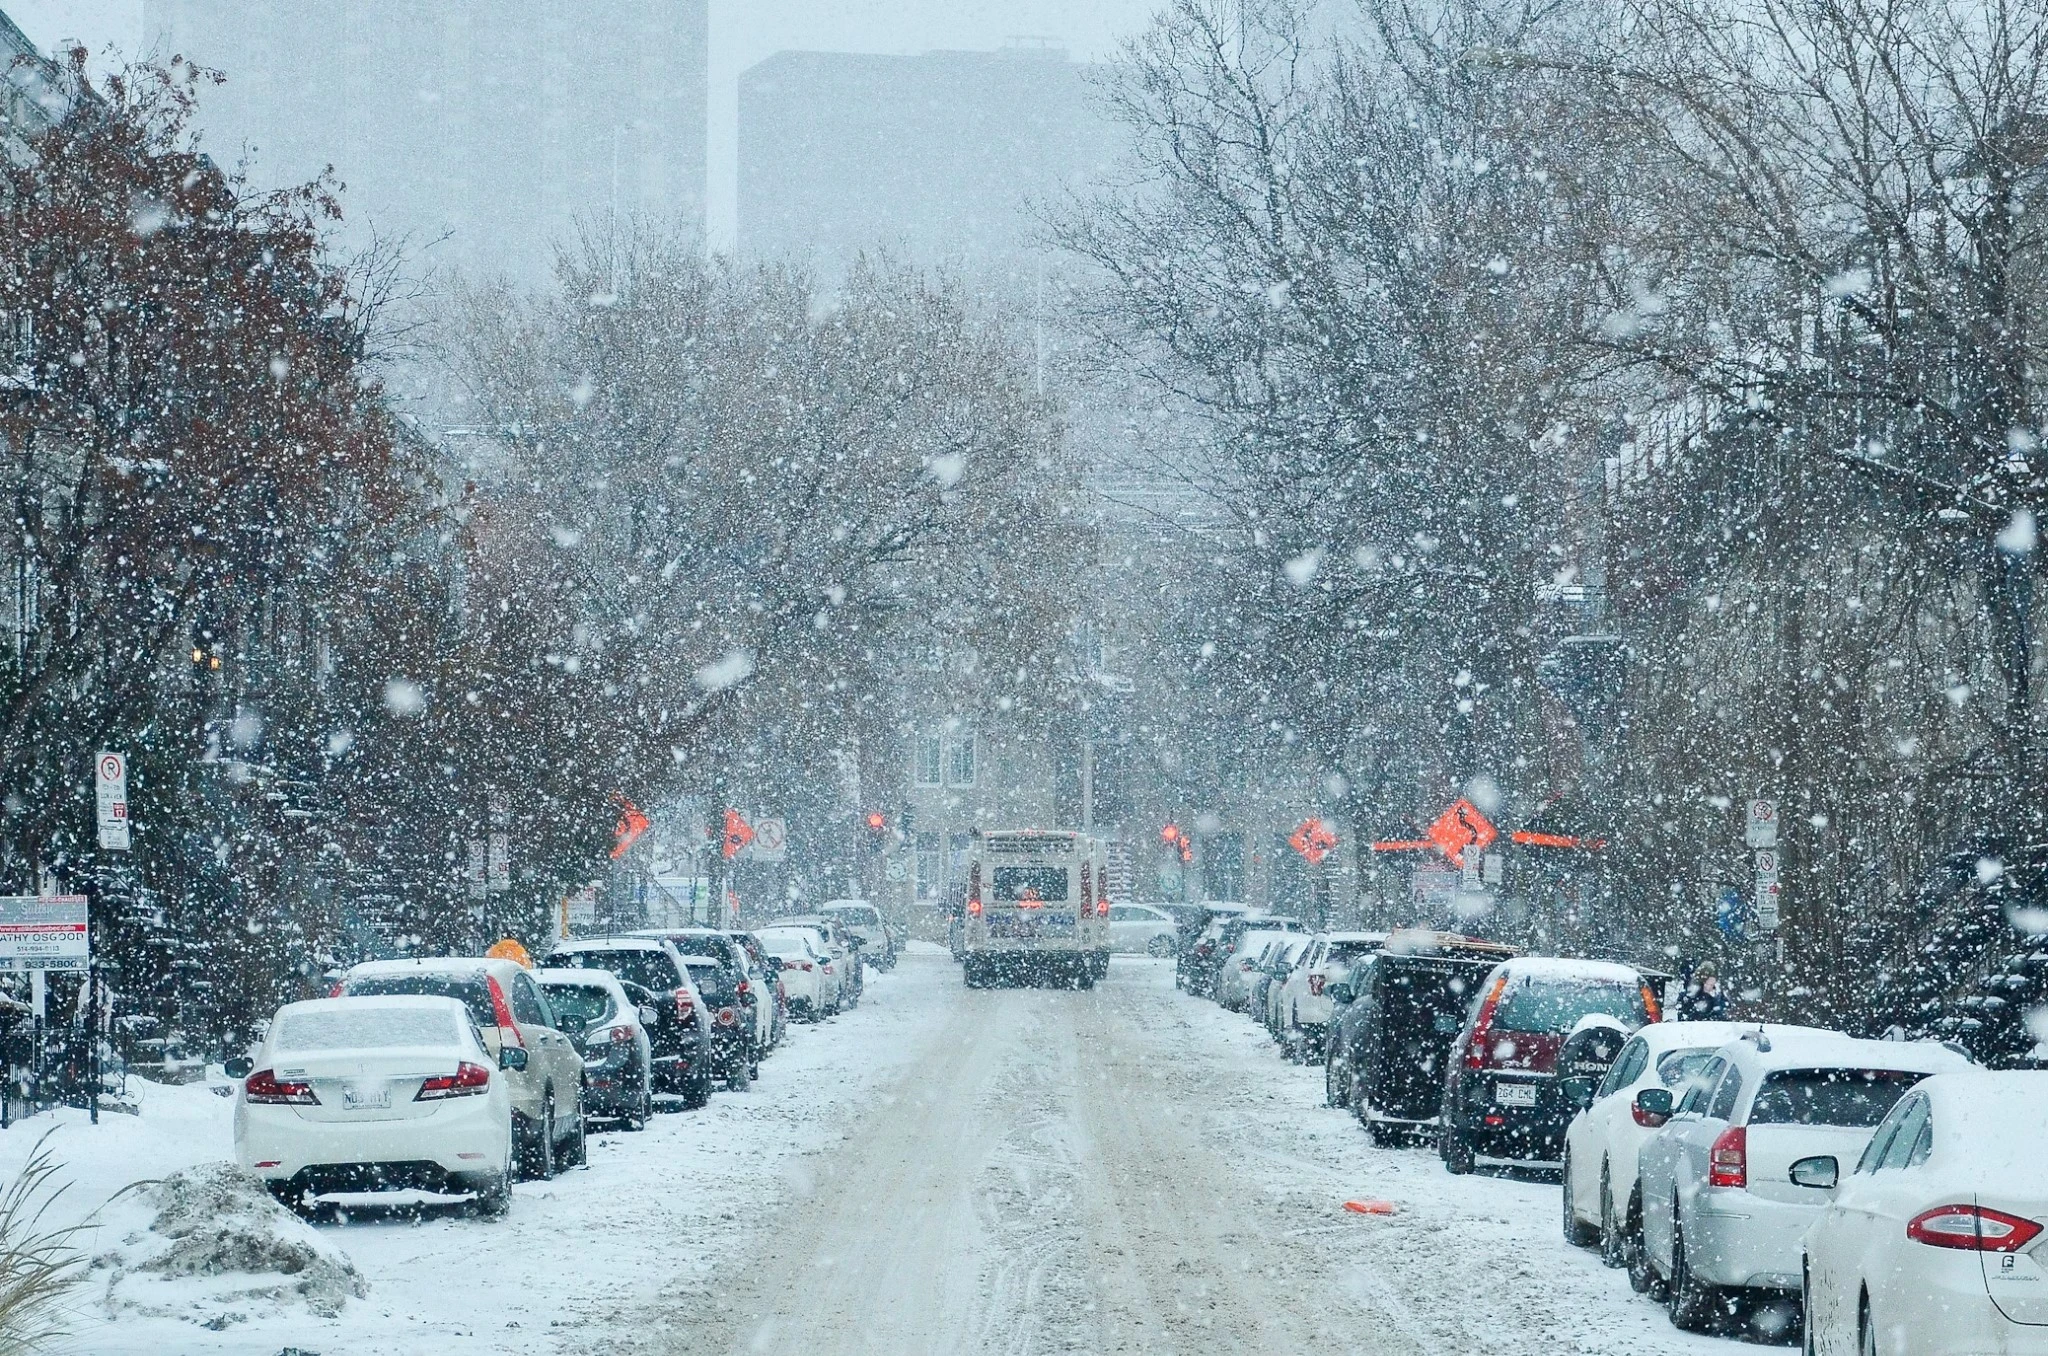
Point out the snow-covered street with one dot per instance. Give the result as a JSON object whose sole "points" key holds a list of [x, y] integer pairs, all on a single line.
{"points": [[942, 1170]]}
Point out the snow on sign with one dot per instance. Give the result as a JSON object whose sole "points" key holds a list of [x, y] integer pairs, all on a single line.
{"points": [[1761, 830], [771, 840], [43, 932], [110, 794]]}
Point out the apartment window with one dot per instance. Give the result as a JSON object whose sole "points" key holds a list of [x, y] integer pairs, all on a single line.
{"points": [[960, 760], [930, 761], [931, 870]]}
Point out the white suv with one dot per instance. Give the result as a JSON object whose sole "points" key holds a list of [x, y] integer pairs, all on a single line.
{"points": [[1720, 1208], [1305, 1005]]}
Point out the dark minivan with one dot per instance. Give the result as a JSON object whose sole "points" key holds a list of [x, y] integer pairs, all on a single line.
{"points": [[1397, 1015]]}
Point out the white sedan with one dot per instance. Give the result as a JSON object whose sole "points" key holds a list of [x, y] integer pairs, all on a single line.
{"points": [[1604, 1139], [812, 956], [1141, 930], [376, 1094], [1934, 1244]]}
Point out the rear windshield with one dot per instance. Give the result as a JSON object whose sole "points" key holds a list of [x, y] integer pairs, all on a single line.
{"points": [[649, 969], [471, 989], [1017, 883], [1858, 1098], [714, 981], [863, 915], [366, 1029], [579, 1006], [1545, 1004]]}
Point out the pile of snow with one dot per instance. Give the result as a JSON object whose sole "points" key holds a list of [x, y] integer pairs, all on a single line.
{"points": [[217, 1223]]}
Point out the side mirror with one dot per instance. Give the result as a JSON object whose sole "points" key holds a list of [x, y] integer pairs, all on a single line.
{"points": [[1340, 992], [512, 1057], [241, 1066], [1821, 1172], [650, 1015], [1653, 1107], [1579, 1092]]}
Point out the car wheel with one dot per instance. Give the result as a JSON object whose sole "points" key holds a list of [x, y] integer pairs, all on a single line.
{"points": [[1866, 1330], [1086, 978], [288, 1196], [1456, 1147], [697, 1092], [495, 1200], [1642, 1278], [1161, 947], [540, 1141], [1330, 1083], [1613, 1247], [739, 1074], [1688, 1301], [1576, 1234], [1383, 1135], [578, 1153], [636, 1120]]}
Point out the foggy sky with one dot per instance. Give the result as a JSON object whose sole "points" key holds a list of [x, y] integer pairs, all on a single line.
{"points": [[742, 33]]}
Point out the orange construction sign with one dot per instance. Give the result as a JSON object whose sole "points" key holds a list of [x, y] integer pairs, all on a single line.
{"points": [[632, 824], [1459, 830], [738, 833], [1314, 841]]}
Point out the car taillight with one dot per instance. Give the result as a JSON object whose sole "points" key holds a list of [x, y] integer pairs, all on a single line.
{"points": [[974, 888], [1728, 1160], [1972, 1228], [1102, 907], [1476, 1053], [1315, 985], [621, 1035], [501, 1013], [1650, 1004], [826, 967], [264, 1088], [743, 990], [335, 992], [726, 1016], [683, 1005], [467, 1081]]}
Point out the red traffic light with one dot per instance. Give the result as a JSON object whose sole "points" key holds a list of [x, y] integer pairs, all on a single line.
{"points": [[877, 821], [1170, 834]]}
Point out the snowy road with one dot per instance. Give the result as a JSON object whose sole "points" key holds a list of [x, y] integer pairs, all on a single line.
{"points": [[1130, 1170]]}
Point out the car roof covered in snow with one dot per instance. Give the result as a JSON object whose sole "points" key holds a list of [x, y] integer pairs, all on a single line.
{"points": [[1812, 1047], [1571, 971], [1374, 937], [1988, 1125], [1664, 1036], [431, 965], [610, 944], [583, 979]]}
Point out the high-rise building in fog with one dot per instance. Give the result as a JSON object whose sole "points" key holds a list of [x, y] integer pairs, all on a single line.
{"points": [[481, 129], [940, 158]]}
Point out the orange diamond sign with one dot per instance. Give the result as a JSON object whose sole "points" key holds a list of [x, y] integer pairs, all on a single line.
{"points": [[1314, 841], [1461, 829]]}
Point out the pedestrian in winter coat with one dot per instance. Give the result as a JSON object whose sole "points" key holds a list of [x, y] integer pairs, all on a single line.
{"points": [[1703, 1000]]}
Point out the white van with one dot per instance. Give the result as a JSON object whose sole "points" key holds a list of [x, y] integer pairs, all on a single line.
{"points": [[1037, 908]]}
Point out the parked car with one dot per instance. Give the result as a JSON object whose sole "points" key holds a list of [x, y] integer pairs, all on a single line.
{"points": [[681, 1038], [1721, 1210], [864, 920], [1264, 981], [1932, 1241], [732, 1019], [1142, 930], [1604, 1138], [1502, 1097], [1303, 1008], [846, 953], [1231, 987], [803, 970], [1205, 935], [510, 1010], [377, 1094], [609, 1028], [831, 968], [751, 1000], [1397, 1016], [765, 970]]}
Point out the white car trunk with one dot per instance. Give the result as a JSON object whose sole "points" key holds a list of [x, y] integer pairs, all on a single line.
{"points": [[1773, 1149], [2018, 1281], [367, 1085]]}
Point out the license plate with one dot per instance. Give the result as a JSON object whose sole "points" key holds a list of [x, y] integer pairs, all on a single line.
{"points": [[354, 1098], [1515, 1094]]}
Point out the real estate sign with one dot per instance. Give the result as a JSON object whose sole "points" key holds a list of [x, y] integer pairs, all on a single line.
{"points": [[43, 932]]}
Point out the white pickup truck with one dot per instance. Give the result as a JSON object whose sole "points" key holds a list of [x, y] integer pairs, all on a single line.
{"points": [[1037, 908]]}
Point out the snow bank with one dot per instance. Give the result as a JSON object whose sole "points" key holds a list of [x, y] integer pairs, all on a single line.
{"points": [[215, 1220]]}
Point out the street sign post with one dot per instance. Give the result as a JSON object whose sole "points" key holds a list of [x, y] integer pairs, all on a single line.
{"points": [[771, 840], [1761, 829], [110, 794], [44, 932]]}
